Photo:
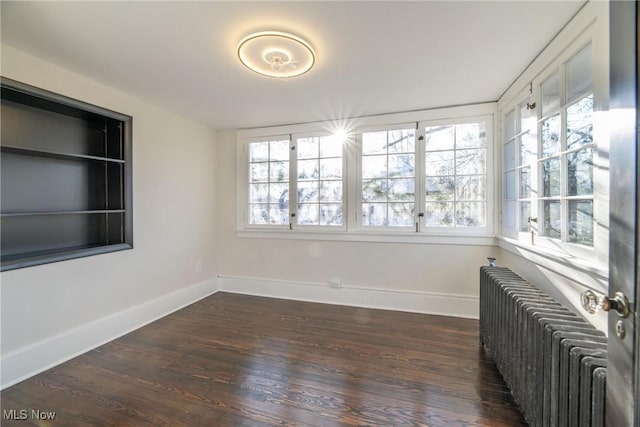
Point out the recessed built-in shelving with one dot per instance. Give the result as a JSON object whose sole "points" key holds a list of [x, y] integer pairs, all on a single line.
{"points": [[65, 178]]}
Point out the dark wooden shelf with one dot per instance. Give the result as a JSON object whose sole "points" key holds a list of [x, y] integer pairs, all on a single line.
{"points": [[55, 155], [87, 212], [29, 259]]}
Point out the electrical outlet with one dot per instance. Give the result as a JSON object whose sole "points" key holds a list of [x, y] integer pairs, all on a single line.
{"points": [[335, 282], [199, 267]]}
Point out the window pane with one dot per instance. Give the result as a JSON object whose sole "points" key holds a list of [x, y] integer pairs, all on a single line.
{"points": [[401, 214], [471, 188], [551, 177], [550, 94], [580, 172], [279, 214], [470, 214], [374, 190], [330, 146], [580, 123], [307, 192], [259, 214], [402, 141], [308, 169], [279, 193], [552, 219], [374, 142], [439, 214], [258, 193], [307, 148], [440, 188], [439, 138], [527, 118], [525, 213], [331, 168], [259, 172], [470, 162], [331, 191], [551, 136], [510, 155], [258, 151], [331, 214], [279, 172], [401, 189], [510, 125], [525, 182], [374, 214], [401, 165], [510, 185], [580, 226], [528, 147], [579, 74], [440, 163], [509, 218], [471, 135], [308, 214], [374, 166], [279, 150]]}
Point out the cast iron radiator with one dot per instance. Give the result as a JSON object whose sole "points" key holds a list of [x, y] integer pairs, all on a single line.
{"points": [[552, 360]]}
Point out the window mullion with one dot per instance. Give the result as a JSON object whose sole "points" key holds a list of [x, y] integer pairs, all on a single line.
{"points": [[563, 157], [358, 214], [293, 182], [420, 188]]}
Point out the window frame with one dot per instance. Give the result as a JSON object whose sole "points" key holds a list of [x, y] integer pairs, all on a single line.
{"points": [[489, 176], [247, 201], [351, 230], [293, 184], [359, 156], [572, 253]]}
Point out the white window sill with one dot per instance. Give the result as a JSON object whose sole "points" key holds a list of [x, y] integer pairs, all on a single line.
{"points": [[550, 258], [368, 236]]}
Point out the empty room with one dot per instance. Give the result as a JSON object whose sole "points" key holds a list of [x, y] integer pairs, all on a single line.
{"points": [[310, 213]]}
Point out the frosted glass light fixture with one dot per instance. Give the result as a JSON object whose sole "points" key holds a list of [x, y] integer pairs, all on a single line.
{"points": [[276, 54]]}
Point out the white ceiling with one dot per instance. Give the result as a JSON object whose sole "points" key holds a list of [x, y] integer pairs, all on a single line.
{"points": [[372, 57]]}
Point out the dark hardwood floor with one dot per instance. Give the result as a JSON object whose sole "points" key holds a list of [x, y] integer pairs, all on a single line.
{"points": [[234, 360]]}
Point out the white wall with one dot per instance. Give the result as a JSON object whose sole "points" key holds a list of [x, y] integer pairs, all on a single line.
{"points": [[563, 282], [415, 277], [52, 311]]}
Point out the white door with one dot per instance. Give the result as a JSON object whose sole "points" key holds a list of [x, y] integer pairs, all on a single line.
{"points": [[623, 381]]}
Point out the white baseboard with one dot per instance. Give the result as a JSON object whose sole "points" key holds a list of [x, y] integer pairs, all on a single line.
{"points": [[28, 361], [442, 304]]}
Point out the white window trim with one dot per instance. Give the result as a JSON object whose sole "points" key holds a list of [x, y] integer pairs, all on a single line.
{"points": [[351, 232], [589, 25]]}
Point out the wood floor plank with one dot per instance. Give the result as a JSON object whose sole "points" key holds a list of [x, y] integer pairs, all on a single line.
{"points": [[237, 360]]}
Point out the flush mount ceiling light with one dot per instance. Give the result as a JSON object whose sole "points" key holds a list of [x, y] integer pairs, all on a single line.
{"points": [[276, 54]]}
